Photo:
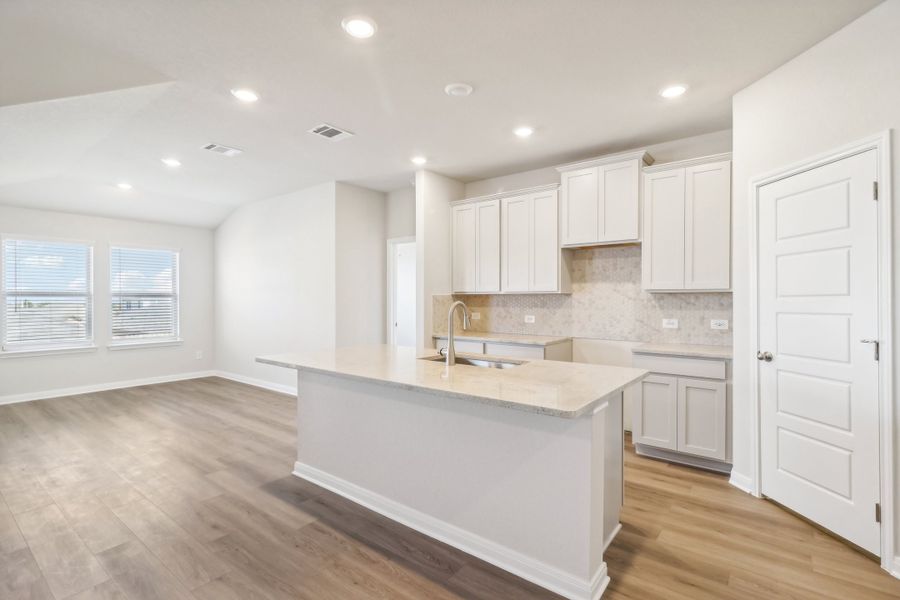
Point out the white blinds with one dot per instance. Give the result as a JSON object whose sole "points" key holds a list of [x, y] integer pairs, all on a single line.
{"points": [[144, 287], [46, 294]]}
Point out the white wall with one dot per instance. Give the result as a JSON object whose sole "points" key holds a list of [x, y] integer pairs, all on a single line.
{"points": [[35, 376], [360, 265], [275, 274], [841, 90], [401, 213]]}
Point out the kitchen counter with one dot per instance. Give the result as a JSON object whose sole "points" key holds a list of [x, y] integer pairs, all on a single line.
{"points": [[692, 350], [505, 338], [559, 389]]}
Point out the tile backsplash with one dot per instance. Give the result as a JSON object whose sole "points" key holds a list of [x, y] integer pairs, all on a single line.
{"points": [[606, 303]]}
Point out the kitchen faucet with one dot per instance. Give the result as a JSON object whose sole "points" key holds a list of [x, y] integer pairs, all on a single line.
{"points": [[451, 350]]}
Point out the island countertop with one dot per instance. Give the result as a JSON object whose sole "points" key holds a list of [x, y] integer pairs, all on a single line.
{"points": [[560, 389]]}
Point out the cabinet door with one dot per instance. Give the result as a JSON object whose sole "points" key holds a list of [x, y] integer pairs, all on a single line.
{"points": [[463, 252], [620, 202], [707, 227], [663, 243], [515, 246], [544, 274], [701, 417], [487, 246], [654, 412], [580, 206]]}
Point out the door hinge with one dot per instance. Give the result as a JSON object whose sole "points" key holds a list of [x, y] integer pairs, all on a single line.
{"points": [[874, 190], [878, 513]]}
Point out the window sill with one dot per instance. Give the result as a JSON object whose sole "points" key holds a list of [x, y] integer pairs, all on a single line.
{"points": [[144, 344], [46, 351]]}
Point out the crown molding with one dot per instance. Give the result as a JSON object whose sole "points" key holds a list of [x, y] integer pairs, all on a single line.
{"points": [[691, 162], [641, 155], [508, 193]]}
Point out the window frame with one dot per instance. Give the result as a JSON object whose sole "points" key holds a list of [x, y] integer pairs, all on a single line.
{"points": [[124, 343], [44, 347]]}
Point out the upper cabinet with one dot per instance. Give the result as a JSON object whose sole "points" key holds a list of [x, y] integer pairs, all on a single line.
{"points": [[600, 200], [687, 225], [476, 247]]}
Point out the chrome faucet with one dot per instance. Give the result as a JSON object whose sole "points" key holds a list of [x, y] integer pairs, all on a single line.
{"points": [[451, 350]]}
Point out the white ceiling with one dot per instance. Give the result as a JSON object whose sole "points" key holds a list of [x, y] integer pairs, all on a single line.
{"points": [[93, 92]]}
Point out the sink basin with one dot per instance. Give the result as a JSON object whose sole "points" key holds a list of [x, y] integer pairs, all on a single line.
{"points": [[479, 362]]}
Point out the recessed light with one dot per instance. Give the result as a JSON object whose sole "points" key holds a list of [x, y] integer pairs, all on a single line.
{"points": [[419, 160], [171, 162], [245, 95], [123, 186], [673, 91], [458, 89], [359, 27], [524, 131]]}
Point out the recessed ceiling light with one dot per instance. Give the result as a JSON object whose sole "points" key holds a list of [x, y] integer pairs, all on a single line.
{"points": [[245, 95], [419, 160], [673, 91], [359, 27], [171, 162], [458, 89], [523, 131], [123, 186]]}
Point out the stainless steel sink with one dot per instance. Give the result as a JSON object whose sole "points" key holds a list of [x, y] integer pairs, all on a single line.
{"points": [[479, 362]]}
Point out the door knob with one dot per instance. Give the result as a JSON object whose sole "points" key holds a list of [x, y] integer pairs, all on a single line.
{"points": [[766, 356]]}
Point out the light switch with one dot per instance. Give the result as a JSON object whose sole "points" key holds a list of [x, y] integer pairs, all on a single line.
{"points": [[476, 316], [718, 324], [529, 318], [670, 323]]}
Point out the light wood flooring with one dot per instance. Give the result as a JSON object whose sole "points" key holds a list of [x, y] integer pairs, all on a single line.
{"points": [[183, 491]]}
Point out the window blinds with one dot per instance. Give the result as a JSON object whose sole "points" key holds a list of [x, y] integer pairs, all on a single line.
{"points": [[144, 288], [46, 294]]}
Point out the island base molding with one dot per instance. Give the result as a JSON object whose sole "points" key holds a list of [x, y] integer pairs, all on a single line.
{"points": [[505, 558]]}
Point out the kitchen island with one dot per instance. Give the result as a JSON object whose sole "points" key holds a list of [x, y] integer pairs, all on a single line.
{"points": [[521, 467]]}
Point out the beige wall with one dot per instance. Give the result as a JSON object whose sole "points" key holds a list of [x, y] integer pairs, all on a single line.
{"points": [[841, 90]]}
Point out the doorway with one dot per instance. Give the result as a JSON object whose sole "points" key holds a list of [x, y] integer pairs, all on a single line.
{"points": [[401, 301]]}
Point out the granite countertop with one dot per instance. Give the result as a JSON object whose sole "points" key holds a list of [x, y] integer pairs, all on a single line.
{"points": [[560, 389], [691, 350], [506, 338]]}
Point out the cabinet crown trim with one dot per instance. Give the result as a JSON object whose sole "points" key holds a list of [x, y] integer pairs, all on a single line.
{"points": [[641, 155], [690, 162], [508, 194]]}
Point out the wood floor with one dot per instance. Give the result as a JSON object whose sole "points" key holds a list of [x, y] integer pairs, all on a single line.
{"points": [[183, 491]]}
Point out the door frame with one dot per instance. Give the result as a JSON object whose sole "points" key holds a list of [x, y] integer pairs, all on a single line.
{"points": [[391, 280], [881, 143]]}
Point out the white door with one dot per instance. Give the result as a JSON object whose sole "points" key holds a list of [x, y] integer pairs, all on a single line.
{"points": [[544, 242], [817, 303], [403, 294], [655, 412], [463, 251], [515, 243], [580, 211], [487, 246], [620, 201]]}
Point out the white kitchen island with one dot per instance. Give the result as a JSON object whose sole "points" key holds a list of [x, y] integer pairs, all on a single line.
{"points": [[521, 467]]}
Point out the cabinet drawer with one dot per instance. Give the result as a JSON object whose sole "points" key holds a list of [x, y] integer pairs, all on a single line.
{"points": [[680, 365], [514, 351], [465, 346]]}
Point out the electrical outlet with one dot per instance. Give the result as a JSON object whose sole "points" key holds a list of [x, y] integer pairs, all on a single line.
{"points": [[718, 324], [670, 323], [198, 354], [476, 316], [529, 318]]}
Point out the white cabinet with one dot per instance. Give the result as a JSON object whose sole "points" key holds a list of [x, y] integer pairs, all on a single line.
{"points": [[701, 417], [687, 225], [530, 256], [476, 247], [654, 412], [600, 200]]}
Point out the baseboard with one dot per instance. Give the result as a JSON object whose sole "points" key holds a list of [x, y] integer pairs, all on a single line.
{"points": [[260, 383], [742, 482], [526, 567], [683, 459], [102, 387]]}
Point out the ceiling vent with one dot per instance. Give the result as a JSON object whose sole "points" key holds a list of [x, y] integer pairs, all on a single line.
{"points": [[330, 132], [223, 150]]}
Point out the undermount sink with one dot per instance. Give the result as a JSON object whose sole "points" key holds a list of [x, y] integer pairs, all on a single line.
{"points": [[479, 362]]}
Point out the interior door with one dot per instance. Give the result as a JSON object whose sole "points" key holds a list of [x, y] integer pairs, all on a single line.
{"points": [[817, 373], [403, 295]]}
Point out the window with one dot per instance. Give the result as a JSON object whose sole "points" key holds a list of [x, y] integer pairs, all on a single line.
{"points": [[46, 295], [144, 287]]}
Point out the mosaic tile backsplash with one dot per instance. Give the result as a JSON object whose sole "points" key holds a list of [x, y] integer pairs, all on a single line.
{"points": [[606, 303]]}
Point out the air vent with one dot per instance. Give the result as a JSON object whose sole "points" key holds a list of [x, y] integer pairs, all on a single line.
{"points": [[223, 150], [330, 132]]}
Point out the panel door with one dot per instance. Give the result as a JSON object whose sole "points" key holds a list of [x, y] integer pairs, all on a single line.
{"points": [[515, 244], [463, 252], [663, 243], [707, 227], [702, 422], [654, 412], [487, 246], [620, 202], [817, 303], [580, 206], [544, 276]]}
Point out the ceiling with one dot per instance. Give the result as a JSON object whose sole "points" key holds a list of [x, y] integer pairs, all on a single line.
{"points": [[94, 92]]}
